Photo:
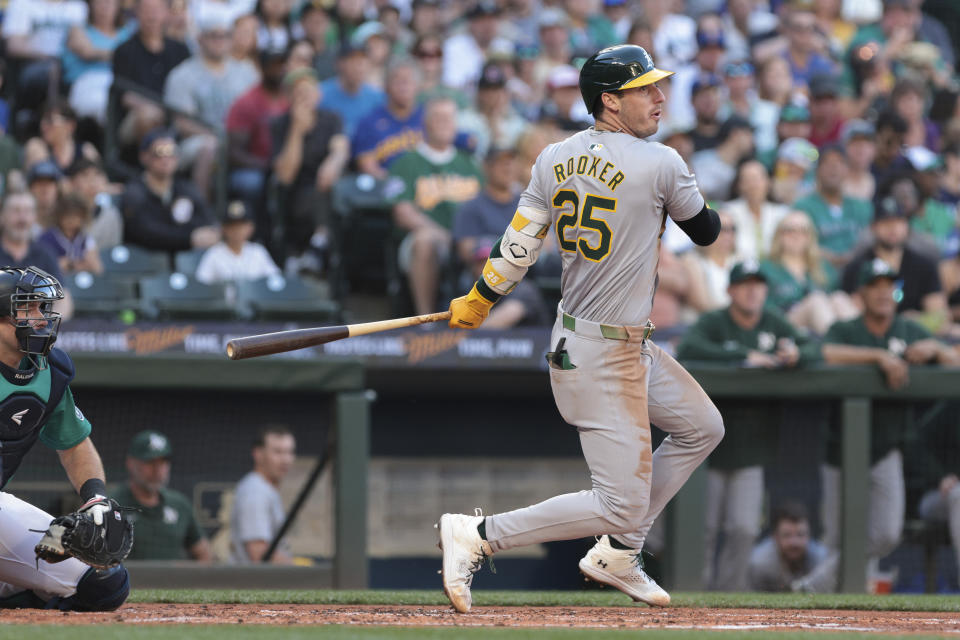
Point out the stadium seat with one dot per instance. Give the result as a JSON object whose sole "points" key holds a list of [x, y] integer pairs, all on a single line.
{"points": [[187, 261], [363, 251], [179, 296], [101, 295], [285, 298], [134, 262]]}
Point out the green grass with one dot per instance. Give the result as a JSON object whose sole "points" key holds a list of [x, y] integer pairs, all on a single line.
{"points": [[256, 632], [605, 598]]}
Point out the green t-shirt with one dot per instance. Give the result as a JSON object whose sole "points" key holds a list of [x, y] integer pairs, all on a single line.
{"points": [[162, 532], [838, 227], [752, 426], [437, 189], [938, 219], [784, 290], [890, 419]]}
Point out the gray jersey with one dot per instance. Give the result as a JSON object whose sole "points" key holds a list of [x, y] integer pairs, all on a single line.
{"points": [[608, 195]]}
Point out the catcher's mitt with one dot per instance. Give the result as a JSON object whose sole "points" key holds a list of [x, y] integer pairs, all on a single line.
{"points": [[77, 535]]}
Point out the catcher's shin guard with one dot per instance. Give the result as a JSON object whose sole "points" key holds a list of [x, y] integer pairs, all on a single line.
{"points": [[98, 590]]}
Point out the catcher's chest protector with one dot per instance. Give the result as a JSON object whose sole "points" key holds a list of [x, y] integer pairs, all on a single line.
{"points": [[24, 411]]}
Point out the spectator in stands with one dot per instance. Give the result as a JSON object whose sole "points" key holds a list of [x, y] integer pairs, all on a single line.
{"points": [[709, 58], [248, 129], [165, 523], [203, 87], [742, 100], [794, 122], [435, 178], [57, 142], [243, 40], [315, 22], [18, 221], [744, 23], [564, 107], [934, 219], [88, 182], [464, 53], [86, 61], [838, 219], [491, 122], [300, 55], [34, 32], [883, 338], [274, 32], [480, 221], [673, 288], [949, 192], [258, 512], [554, 48], [43, 179], [787, 559], [708, 268], [674, 34], [860, 148], [144, 61], [918, 284], [67, 239], [889, 160], [310, 153], [803, 284], [805, 47], [235, 257], [394, 128], [826, 121], [348, 94], [745, 333], [161, 211], [618, 13], [909, 100], [426, 18], [793, 171], [775, 82], [754, 215], [705, 94], [590, 30], [715, 168]]}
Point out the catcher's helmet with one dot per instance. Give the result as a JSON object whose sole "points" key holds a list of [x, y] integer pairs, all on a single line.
{"points": [[624, 66], [19, 289]]}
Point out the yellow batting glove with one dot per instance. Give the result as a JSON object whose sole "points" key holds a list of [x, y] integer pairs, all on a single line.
{"points": [[469, 311]]}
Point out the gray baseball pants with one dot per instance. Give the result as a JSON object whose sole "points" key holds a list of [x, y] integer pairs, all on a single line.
{"points": [[617, 388], [935, 506], [735, 507]]}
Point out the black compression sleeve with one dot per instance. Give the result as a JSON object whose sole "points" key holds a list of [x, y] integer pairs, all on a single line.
{"points": [[702, 228]]}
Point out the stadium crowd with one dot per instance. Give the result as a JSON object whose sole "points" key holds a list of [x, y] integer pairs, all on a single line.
{"points": [[825, 132]]}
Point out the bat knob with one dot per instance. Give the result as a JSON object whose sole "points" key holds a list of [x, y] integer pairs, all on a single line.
{"points": [[230, 350]]}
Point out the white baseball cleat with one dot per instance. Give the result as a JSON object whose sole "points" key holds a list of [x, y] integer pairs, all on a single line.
{"points": [[463, 554], [621, 568]]}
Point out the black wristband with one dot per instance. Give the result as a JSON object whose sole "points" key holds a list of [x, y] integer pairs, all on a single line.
{"points": [[92, 487]]}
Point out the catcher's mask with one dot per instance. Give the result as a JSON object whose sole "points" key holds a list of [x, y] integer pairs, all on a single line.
{"points": [[26, 298]]}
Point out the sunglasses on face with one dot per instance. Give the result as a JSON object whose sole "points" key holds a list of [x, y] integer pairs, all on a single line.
{"points": [[430, 54], [164, 150]]}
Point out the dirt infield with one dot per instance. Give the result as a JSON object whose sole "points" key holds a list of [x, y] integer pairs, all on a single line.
{"points": [[581, 617]]}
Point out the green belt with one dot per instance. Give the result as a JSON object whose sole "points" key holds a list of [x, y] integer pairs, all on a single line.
{"points": [[608, 331]]}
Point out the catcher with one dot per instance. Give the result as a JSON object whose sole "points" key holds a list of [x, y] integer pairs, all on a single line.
{"points": [[71, 562]]}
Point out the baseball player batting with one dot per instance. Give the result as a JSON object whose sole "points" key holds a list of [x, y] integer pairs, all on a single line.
{"points": [[606, 193]]}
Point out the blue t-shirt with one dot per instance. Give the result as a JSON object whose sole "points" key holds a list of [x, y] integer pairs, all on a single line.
{"points": [[350, 107], [386, 136], [74, 66], [483, 217], [816, 65]]}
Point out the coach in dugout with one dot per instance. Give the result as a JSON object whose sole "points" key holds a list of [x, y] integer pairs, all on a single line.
{"points": [[166, 526]]}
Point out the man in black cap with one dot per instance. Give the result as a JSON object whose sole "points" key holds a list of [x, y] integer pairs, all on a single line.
{"points": [[236, 257], [919, 288], [492, 122], [825, 118], [705, 95], [161, 211], [716, 168], [43, 180], [746, 333], [883, 338]]}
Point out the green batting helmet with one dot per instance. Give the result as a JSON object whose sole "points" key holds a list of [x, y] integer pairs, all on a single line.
{"points": [[624, 66]]}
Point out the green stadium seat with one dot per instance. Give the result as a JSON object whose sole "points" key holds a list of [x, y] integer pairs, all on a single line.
{"points": [[286, 298], [187, 261], [177, 296], [134, 262], [101, 295]]}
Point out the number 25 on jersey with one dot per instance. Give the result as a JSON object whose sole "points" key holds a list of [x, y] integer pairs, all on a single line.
{"points": [[580, 219]]}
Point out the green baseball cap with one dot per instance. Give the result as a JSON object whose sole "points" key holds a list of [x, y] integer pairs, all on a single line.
{"points": [[149, 445], [876, 268], [746, 270], [792, 112]]}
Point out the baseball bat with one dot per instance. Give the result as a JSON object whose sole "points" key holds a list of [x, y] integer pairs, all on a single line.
{"points": [[282, 341]]}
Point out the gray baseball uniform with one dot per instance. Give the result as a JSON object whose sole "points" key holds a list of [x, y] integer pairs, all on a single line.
{"points": [[606, 196]]}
